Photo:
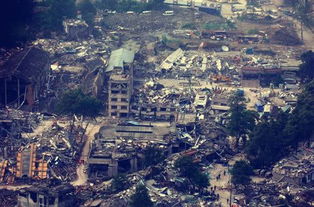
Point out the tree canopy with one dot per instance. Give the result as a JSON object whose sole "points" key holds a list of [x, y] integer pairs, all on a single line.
{"points": [[307, 67], [300, 124], [76, 102], [267, 142], [241, 121], [141, 197], [241, 173], [15, 18], [153, 156], [191, 170], [275, 136], [87, 10], [131, 5], [57, 11]]}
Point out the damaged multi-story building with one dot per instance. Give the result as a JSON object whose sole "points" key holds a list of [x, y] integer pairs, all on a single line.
{"points": [[254, 76], [118, 149], [52, 196], [120, 82], [24, 77]]}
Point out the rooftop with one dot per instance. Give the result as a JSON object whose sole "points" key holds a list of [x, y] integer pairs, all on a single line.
{"points": [[27, 63], [119, 57]]}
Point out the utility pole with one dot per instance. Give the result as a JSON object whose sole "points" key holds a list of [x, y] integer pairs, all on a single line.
{"points": [[230, 203]]}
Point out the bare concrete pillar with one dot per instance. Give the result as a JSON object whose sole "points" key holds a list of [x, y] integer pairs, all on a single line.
{"points": [[5, 92], [133, 163], [113, 169], [18, 92]]}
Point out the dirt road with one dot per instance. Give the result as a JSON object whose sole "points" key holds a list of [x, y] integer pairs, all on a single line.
{"points": [[82, 175], [223, 183], [308, 34]]}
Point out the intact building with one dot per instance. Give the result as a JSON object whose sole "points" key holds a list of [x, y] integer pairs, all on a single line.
{"points": [[120, 82]]}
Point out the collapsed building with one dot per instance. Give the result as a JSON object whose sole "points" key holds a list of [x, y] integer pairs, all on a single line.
{"points": [[296, 170], [155, 103], [259, 73], [118, 149], [45, 195], [24, 77], [29, 164]]}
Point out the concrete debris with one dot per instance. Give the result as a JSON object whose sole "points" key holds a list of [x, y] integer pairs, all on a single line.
{"points": [[165, 79]]}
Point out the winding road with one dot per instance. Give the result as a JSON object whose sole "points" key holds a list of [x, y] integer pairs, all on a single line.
{"points": [[82, 175]]}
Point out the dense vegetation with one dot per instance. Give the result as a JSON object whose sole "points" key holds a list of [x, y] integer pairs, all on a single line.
{"points": [[22, 20], [241, 172], [191, 170], [241, 121], [15, 16], [306, 72], [153, 156], [302, 10], [131, 5], [274, 136], [78, 103]]}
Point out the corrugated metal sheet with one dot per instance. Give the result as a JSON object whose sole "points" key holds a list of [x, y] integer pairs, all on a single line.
{"points": [[118, 57]]}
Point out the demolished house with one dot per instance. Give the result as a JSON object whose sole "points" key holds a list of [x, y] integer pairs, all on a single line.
{"points": [[29, 164], [24, 77], [154, 102], [94, 80], [261, 74], [120, 67], [171, 59], [44, 195], [296, 170], [118, 149]]}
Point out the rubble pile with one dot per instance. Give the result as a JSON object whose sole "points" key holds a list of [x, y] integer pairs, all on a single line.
{"points": [[8, 198], [165, 79]]}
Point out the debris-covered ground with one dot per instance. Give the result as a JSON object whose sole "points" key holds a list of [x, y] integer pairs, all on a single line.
{"points": [[186, 67]]}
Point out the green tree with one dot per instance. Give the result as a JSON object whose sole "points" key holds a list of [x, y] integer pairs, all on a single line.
{"points": [[241, 173], [59, 10], [119, 183], [87, 10], [15, 18], [307, 67], [300, 124], [76, 102], [156, 5], [107, 4], [267, 143], [303, 10], [141, 197], [153, 156], [191, 170], [186, 166], [241, 121]]}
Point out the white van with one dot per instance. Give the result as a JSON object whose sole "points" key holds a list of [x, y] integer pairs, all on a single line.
{"points": [[146, 12], [168, 13]]}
